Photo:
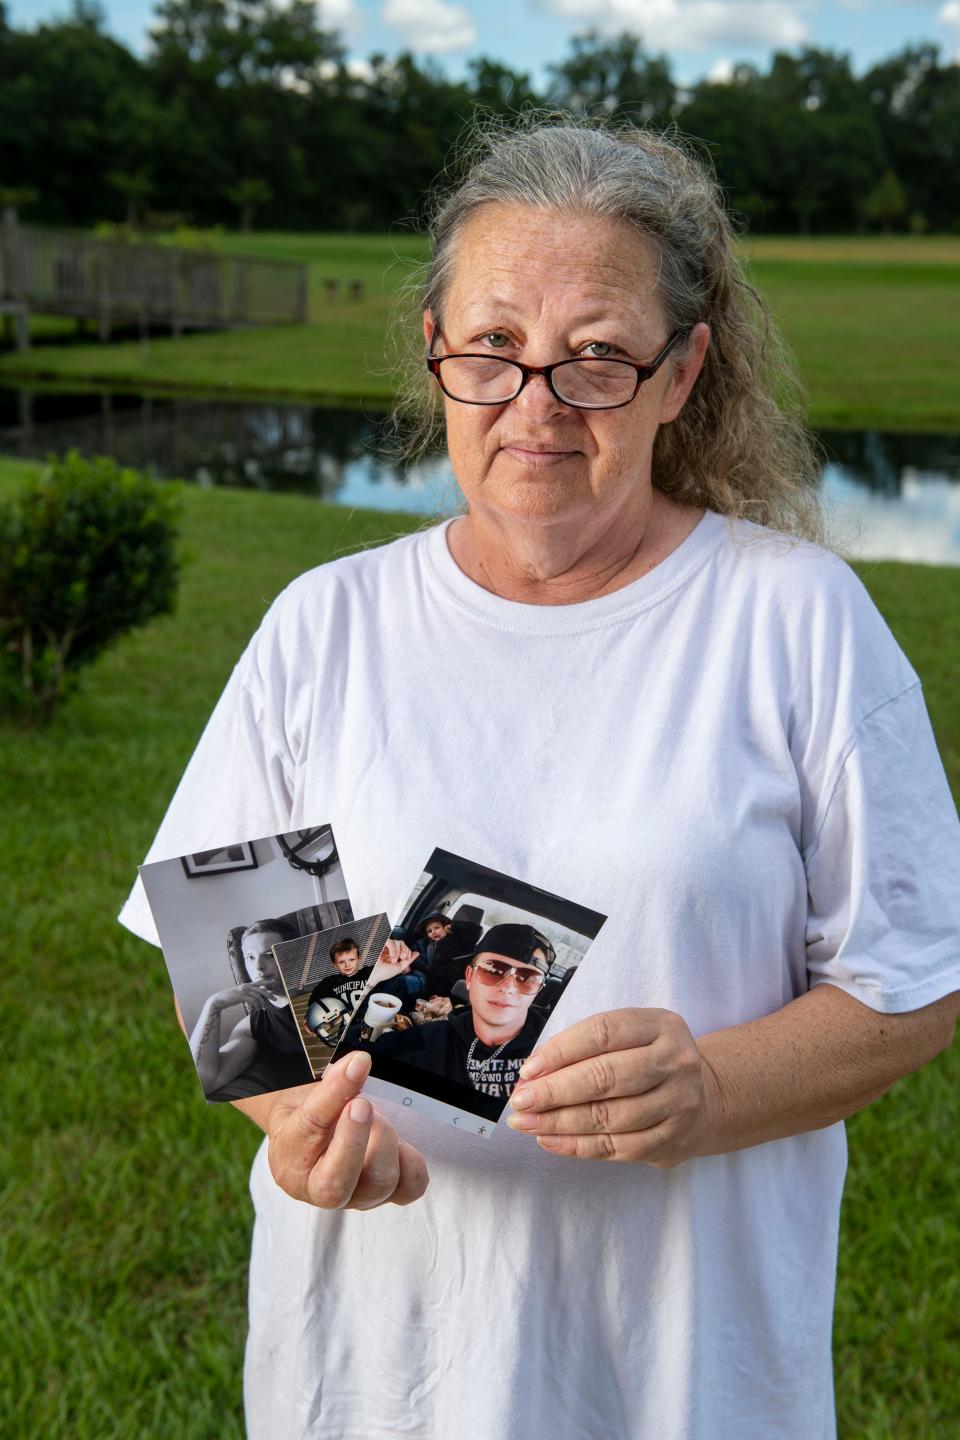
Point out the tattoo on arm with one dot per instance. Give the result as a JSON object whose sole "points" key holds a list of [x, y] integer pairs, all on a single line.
{"points": [[213, 1023]]}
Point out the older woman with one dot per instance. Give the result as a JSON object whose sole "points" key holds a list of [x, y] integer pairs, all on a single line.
{"points": [[655, 700]]}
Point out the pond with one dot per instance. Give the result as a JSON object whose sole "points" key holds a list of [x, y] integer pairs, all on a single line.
{"points": [[890, 495]]}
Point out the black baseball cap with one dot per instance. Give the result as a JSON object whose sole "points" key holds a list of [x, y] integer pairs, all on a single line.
{"points": [[516, 942], [434, 915]]}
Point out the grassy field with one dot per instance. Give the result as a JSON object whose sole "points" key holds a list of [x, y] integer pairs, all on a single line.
{"points": [[127, 1217], [873, 322]]}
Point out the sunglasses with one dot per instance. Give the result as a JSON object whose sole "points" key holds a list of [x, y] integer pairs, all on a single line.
{"points": [[494, 972]]}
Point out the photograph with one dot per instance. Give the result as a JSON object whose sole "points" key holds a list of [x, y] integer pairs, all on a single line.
{"points": [[324, 976], [481, 960], [218, 941], [219, 862]]}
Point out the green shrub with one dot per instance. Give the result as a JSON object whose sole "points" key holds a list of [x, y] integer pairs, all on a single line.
{"points": [[87, 552]]}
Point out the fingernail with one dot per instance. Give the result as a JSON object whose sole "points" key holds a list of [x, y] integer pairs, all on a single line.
{"points": [[358, 1067], [523, 1122], [548, 1142], [521, 1099], [360, 1110], [531, 1068]]}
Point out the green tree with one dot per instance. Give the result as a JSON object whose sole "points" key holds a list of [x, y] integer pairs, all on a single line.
{"points": [[499, 89], [72, 111], [730, 119], [916, 102], [135, 189], [248, 195], [793, 147], [387, 147], [246, 42], [886, 202], [236, 80], [614, 75]]}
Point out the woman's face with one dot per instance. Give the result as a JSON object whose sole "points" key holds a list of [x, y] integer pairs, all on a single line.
{"points": [[541, 286]]}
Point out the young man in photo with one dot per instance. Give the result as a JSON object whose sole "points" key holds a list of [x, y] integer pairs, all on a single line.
{"points": [[262, 1051], [483, 1047]]}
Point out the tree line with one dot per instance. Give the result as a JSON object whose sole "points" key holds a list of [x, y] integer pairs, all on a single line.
{"points": [[247, 112]]}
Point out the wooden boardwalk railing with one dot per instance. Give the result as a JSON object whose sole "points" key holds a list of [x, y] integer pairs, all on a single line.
{"points": [[58, 272]]}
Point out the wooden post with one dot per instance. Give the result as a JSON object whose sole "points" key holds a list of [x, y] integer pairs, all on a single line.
{"points": [[240, 292], [12, 257], [102, 268], [106, 421], [25, 417], [15, 279], [143, 314], [176, 287]]}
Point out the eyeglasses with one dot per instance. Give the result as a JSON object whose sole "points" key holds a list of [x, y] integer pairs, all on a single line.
{"points": [[494, 972], [583, 382]]}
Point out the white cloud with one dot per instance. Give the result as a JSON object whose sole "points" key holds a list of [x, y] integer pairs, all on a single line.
{"points": [[334, 13], [679, 25], [434, 26], [359, 69], [874, 5], [345, 17], [721, 71], [356, 67], [949, 16]]}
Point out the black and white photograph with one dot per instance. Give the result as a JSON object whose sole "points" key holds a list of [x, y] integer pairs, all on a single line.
{"points": [[324, 976], [478, 963], [218, 925]]}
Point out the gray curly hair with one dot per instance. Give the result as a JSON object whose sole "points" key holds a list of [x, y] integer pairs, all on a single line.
{"points": [[739, 446]]}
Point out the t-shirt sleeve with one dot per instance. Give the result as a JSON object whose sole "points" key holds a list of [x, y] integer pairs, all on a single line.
{"points": [[883, 873], [237, 786]]}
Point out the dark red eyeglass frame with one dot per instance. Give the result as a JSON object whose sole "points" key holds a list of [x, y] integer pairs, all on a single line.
{"points": [[643, 372]]}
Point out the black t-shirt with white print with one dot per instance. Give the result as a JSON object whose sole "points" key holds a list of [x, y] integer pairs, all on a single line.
{"points": [[342, 987], [451, 1048]]}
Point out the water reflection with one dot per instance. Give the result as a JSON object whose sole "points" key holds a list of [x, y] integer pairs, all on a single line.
{"points": [[894, 496], [889, 495], [887, 461], [333, 454]]}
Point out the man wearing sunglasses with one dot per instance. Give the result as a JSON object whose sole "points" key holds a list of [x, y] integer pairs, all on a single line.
{"points": [[484, 1047]]}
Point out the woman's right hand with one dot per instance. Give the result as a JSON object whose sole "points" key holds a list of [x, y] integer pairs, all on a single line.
{"points": [[329, 1147]]}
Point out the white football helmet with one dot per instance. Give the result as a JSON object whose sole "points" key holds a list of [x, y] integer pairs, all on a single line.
{"points": [[328, 1019]]}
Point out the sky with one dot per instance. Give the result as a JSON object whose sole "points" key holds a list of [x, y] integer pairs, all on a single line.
{"points": [[701, 37]]}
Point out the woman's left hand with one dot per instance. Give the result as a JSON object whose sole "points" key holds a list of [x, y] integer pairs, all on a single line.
{"points": [[622, 1085]]}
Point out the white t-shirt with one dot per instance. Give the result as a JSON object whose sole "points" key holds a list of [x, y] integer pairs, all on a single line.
{"points": [[729, 757]]}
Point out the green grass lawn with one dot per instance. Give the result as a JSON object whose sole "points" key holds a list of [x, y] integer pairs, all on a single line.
{"points": [[873, 322], [127, 1217]]}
